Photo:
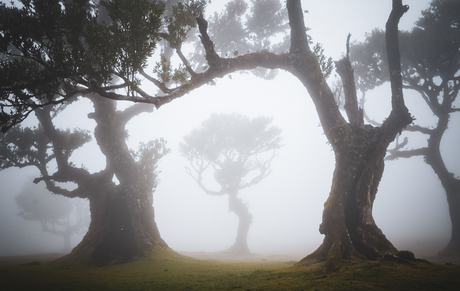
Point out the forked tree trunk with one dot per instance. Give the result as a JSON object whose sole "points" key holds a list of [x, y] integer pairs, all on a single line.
{"points": [[348, 225], [349, 228], [236, 205]]}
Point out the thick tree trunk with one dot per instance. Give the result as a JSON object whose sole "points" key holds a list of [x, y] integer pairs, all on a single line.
{"points": [[122, 225], [236, 205], [349, 228]]}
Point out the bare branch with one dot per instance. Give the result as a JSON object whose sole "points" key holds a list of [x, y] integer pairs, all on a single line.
{"points": [[345, 72], [394, 155]]}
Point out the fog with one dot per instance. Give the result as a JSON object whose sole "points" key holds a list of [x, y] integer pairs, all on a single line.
{"points": [[410, 207]]}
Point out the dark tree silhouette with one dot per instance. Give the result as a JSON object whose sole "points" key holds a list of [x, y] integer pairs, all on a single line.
{"points": [[430, 55], [238, 151], [53, 212], [121, 49], [122, 224]]}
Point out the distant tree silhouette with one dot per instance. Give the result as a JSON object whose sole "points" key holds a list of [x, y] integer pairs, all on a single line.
{"points": [[238, 151], [430, 56], [53, 212]]}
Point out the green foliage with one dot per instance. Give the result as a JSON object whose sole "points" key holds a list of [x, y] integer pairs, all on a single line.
{"points": [[182, 20], [163, 70], [21, 147], [50, 49], [147, 157], [133, 30], [250, 27], [326, 64], [428, 51]]}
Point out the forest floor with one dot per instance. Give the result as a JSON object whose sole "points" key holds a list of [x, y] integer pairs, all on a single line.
{"points": [[218, 271]]}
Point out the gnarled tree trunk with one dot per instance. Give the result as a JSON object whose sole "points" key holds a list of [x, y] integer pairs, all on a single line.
{"points": [[122, 224], [348, 225]]}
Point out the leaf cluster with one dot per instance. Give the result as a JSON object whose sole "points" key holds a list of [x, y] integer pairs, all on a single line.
{"points": [[147, 157], [50, 51]]}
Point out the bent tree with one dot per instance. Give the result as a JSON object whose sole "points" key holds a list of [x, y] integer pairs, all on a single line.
{"points": [[238, 151], [348, 226], [430, 68]]}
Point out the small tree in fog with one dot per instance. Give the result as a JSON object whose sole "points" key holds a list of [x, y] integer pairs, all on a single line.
{"points": [[57, 214], [238, 151]]}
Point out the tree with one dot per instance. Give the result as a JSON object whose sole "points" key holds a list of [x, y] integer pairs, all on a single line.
{"points": [[53, 212], [234, 147], [51, 55], [348, 226], [122, 224], [429, 68]]}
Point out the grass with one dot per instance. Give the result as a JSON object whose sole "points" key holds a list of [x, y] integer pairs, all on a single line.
{"points": [[176, 272]]}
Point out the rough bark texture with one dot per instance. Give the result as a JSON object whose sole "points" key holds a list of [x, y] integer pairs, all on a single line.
{"points": [[348, 226]]}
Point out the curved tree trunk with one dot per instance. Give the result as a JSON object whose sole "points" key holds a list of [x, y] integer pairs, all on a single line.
{"points": [[236, 205], [450, 184], [349, 228]]}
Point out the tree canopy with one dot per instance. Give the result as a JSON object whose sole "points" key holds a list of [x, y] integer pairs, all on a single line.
{"points": [[237, 151], [233, 146]]}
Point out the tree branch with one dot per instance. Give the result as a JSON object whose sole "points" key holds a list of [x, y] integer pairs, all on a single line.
{"points": [[399, 116], [345, 72], [394, 155]]}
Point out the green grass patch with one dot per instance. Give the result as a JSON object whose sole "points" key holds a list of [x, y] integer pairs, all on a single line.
{"points": [[172, 271]]}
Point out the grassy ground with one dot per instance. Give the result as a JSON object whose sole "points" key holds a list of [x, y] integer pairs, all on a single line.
{"points": [[176, 272]]}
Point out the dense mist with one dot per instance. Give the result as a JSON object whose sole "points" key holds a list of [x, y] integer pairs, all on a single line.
{"points": [[410, 208]]}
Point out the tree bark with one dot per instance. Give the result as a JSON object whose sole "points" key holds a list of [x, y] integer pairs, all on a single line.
{"points": [[349, 228], [236, 205], [348, 225]]}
